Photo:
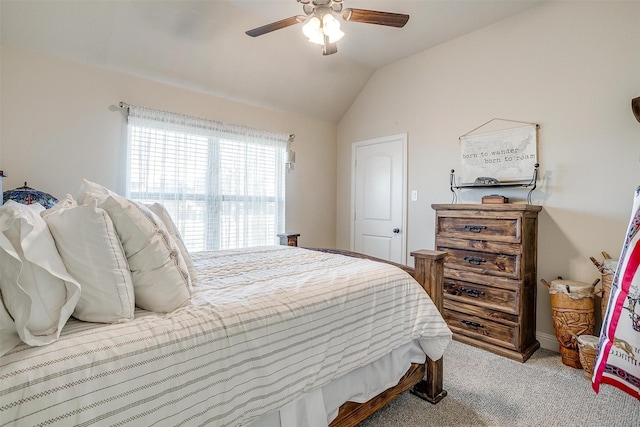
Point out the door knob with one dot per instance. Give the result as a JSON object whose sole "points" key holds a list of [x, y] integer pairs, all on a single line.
{"points": [[396, 230]]}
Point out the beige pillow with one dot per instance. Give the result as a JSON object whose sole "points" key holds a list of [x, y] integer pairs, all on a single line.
{"points": [[161, 280], [91, 251], [36, 288]]}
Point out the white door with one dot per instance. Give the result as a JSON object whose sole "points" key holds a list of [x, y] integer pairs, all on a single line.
{"points": [[379, 197]]}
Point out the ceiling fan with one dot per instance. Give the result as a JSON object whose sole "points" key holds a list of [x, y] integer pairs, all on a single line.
{"points": [[322, 27]]}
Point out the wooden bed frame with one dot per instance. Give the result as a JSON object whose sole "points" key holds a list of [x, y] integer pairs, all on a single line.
{"points": [[428, 271]]}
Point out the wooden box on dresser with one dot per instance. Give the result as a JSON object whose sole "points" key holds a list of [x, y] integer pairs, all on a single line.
{"points": [[490, 275]]}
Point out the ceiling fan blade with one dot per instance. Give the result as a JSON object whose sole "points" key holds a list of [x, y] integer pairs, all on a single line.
{"points": [[276, 26], [365, 16]]}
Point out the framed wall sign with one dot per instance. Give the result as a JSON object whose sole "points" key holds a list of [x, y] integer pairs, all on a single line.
{"points": [[507, 155]]}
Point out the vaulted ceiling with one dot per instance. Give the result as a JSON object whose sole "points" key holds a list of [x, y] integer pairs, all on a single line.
{"points": [[202, 45]]}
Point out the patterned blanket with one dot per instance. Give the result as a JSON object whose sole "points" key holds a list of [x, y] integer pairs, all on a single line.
{"points": [[618, 359], [264, 326]]}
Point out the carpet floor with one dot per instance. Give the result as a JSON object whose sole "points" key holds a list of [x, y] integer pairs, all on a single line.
{"points": [[485, 389]]}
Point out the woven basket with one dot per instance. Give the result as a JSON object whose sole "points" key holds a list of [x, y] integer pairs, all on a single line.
{"points": [[572, 310], [588, 348], [608, 269], [606, 290]]}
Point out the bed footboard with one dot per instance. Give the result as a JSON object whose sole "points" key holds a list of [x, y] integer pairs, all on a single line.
{"points": [[429, 272]]}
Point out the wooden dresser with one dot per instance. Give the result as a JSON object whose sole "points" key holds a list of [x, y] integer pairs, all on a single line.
{"points": [[490, 275]]}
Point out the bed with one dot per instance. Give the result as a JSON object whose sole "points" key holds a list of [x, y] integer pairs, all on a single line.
{"points": [[270, 336]]}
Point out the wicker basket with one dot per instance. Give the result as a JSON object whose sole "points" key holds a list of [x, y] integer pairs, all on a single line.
{"points": [[572, 309], [606, 290], [608, 270], [588, 348]]}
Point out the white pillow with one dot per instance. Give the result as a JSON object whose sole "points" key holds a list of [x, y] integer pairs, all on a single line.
{"points": [[9, 337], [36, 289], [161, 280], [91, 251], [163, 214]]}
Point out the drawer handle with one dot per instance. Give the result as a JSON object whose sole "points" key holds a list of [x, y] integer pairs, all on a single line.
{"points": [[475, 228], [474, 260], [473, 292], [472, 325]]}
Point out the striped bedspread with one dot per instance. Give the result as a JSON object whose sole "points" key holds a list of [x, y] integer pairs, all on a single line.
{"points": [[264, 326]]}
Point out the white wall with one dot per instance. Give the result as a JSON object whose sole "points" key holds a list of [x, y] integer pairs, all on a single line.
{"points": [[573, 68], [60, 123]]}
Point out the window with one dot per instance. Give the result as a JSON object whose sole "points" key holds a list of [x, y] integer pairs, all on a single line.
{"points": [[222, 184]]}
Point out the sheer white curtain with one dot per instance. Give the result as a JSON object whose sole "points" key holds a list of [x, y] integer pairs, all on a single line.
{"points": [[223, 184]]}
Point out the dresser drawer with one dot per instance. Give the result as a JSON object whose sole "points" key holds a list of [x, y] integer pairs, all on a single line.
{"points": [[501, 317], [479, 245], [495, 264], [504, 335], [483, 296], [495, 229]]}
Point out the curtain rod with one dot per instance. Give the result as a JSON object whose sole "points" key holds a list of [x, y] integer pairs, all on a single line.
{"points": [[122, 104]]}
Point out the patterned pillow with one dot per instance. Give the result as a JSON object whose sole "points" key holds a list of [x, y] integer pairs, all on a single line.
{"points": [[160, 276], [163, 214]]}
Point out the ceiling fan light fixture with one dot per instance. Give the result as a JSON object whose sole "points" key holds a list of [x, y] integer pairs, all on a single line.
{"points": [[316, 29], [313, 30], [331, 28]]}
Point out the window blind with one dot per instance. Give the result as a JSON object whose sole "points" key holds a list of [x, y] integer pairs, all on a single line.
{"points": [[223, 184]]}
